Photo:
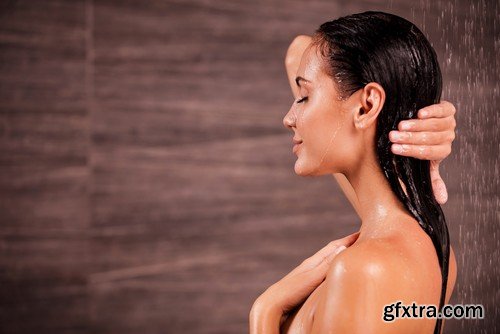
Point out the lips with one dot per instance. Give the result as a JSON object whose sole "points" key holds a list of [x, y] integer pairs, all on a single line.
{"points": [[297, 143]]}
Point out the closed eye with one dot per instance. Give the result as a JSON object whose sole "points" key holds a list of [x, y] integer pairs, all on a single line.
{"points": [[301, 100]]}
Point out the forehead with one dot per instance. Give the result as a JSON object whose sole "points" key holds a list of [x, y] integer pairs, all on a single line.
{"points": [[311, 65]]}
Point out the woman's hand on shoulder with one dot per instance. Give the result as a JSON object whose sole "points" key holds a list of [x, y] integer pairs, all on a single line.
{"points": [[361, 281], [270, 309], [429, 137]]}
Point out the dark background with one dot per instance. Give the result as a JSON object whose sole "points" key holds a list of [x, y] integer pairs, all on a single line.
{"points": [[147, 181]]}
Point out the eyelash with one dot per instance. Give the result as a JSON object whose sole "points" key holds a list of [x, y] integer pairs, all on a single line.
{"points": [[301, 100]]}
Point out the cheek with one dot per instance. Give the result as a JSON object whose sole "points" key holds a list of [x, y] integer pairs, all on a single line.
{"points": [[320, 126], [316, 128], [326, 146]]}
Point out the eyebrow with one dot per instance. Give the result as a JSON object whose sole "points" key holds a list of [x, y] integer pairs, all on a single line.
{"points": [[298, 79]]}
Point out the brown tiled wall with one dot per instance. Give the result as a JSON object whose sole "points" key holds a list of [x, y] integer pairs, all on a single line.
{"points": [[146, 179]]}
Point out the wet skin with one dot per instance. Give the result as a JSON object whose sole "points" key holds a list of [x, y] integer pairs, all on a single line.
{"points": [[345, 293], [391, 244]]}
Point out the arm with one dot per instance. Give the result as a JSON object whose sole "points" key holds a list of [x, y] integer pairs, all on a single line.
{"points": [[270, 309], [429, 137], [264, 321]]}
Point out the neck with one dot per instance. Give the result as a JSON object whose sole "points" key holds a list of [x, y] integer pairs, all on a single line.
{"points": [[377, 203]]}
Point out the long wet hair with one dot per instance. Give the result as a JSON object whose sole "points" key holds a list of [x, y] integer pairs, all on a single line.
{"points": [[387, 49]]}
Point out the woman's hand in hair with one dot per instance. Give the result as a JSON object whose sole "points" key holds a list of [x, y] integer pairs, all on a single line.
{"points": [[271, 308], [429, 137]]}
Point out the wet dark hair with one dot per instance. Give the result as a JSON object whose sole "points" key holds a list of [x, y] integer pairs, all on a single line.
{"points": [[387, 49]]}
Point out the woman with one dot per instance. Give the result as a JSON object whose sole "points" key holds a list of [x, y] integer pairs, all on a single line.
{"points": [[359, 77]]}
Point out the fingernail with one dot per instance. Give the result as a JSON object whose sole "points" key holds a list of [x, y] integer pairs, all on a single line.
{"points": [[340, 249], [397, 148], [406, 125], [396, 135], [424, 113]]}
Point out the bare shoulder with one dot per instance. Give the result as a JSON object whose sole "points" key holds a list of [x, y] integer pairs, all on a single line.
{"points": [[372, 274], [387, 262]]}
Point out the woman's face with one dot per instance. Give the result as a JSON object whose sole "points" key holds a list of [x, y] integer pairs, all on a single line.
{"points": [[321, 120]]}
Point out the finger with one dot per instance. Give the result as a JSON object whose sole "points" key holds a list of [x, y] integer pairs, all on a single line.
{"points": [[294, 289], [349, 240], [316, 259], [439, 190], [423, 152], [431, 124], [438, 185], [330, 257], [323, 253], [422, 138], [439, 110], [318, 272], [331, 247]]}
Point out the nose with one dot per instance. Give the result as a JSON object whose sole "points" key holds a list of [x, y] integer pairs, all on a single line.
{"points": [[289, 119]]}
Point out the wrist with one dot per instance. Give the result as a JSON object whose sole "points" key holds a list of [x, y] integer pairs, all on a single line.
{"points": [[264, 318]]}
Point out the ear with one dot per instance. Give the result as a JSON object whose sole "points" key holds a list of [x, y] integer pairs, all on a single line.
{"points": [[372, 100]]}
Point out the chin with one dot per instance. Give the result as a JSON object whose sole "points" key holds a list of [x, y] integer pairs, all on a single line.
{"points": [[306, 169]]}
